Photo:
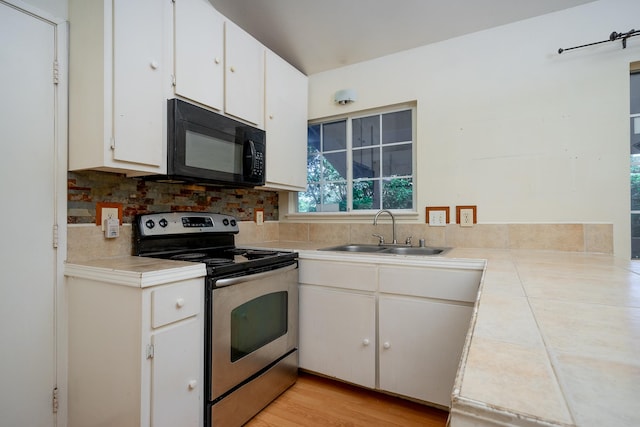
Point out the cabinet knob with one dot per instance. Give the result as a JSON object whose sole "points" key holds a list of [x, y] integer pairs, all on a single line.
{"points": [[154, 65], [366, 342], [386, 345], [232, 69], [216, 60], [271, 116], [192, 384], [180, 302]]}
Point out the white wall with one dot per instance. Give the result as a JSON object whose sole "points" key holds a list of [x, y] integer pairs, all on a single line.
{"points": [[55, 8], [507, 124]]}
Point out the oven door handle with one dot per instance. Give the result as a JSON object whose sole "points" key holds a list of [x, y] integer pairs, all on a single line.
{"points": [[235, 280]]}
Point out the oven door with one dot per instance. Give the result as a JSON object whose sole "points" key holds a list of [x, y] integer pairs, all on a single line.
{"points": [[254, 322]]}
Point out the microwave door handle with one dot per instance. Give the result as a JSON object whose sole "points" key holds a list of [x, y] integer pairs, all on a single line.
{"points": [[252, 149], [241, 279]]}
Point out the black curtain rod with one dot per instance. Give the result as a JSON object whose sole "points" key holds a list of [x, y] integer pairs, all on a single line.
{"points": [[612, 37]]}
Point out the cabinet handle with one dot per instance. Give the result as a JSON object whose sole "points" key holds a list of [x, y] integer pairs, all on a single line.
{"points": [[232, 69], [366, 342], [386, 345], [192, 384], [154, 65], [180, 302], [216, 60]]}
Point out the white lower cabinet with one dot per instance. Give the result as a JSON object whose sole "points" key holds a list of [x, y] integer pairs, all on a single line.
{"points": [[338, 338], [397, 328], [420, 346], [135, 354]]}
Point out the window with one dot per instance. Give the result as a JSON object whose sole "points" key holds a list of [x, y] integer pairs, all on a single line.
{"points": [[360, 163], [635, 164]]}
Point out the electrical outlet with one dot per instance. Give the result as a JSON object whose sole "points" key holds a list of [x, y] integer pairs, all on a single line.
{"points": [[109, 213], [437, 218], [258, 216], [466, 217]]}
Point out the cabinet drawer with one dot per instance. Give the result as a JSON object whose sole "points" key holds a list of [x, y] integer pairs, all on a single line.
{"points": [[175, 302], [440, 283], [362, 277]]}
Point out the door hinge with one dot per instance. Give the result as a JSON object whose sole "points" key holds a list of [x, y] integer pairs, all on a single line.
{"points": [[55, 400], [150, 351], [56, 72], [55, 236]]}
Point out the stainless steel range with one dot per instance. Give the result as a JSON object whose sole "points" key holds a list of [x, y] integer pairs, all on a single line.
{"points": [[251, 310]]}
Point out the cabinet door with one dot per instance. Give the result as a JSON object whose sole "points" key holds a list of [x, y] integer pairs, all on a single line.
{"points": [[176, 386], [244, 75], [337, 334], [199, 52], [420, 345], [139, 76], [286, 124]]}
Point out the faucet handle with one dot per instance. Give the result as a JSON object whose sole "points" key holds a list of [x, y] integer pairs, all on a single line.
{"points": [[408, 241], [380, 238]]}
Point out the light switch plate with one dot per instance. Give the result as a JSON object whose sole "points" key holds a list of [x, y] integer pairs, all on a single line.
{"points": [[437, 218]]}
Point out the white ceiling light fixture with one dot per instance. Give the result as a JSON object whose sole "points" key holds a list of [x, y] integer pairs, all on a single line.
{"points": [[345, 96]]}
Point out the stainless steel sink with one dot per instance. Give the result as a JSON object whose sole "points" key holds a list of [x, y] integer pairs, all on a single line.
{"points": [[389, 249], [355, 248]]}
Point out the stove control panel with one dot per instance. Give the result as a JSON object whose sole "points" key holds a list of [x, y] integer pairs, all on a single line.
{"points": [[168, 223]]}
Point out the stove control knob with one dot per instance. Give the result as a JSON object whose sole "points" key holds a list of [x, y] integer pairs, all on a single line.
{"points": [[150, 223], [225, 222], [233, 222], [163, 223]]}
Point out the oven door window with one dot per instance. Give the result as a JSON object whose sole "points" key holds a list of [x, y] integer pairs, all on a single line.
{"points": [[257, 323]]}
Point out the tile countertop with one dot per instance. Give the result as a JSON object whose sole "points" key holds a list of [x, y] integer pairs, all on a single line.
{"points": [[554, 340], [139, 272]]}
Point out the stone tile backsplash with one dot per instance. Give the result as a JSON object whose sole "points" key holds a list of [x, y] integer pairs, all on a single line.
{"points": [[86, 188]]}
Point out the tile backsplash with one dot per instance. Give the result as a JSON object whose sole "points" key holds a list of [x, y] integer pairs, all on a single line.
{"points": [[86, 188]]}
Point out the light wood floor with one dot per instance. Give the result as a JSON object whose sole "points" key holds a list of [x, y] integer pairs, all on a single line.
{"points": [[316, 401]]}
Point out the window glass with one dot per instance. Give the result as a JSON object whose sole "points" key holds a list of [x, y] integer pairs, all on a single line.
{"points": [[397, 127], [366, 131], [334, 136], [366, 163], [397, 160]]}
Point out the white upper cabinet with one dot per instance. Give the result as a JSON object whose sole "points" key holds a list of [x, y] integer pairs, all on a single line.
{"points": [[199, 53], [286, 124], [244, 75], [118, 81]]}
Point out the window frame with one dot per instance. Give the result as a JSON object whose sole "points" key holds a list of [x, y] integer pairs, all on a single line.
{"points": [[349, 117]]}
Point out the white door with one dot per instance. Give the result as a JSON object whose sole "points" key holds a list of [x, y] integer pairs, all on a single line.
{"points": [[27, 191], [420, 346], [338, 334]]}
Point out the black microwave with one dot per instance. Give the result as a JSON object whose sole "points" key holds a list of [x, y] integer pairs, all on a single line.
{"points": [[209, 148]]}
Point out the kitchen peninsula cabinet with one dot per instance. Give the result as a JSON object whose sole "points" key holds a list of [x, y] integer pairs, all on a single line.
{"points": [[119, 79], [286, 124], [401, 321], [135, 344]]}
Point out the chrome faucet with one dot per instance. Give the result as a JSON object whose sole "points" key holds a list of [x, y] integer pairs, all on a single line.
{"points": [[393, 224]]}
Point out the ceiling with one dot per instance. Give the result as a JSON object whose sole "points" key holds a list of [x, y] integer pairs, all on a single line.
{"points": [[318, 35]]}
